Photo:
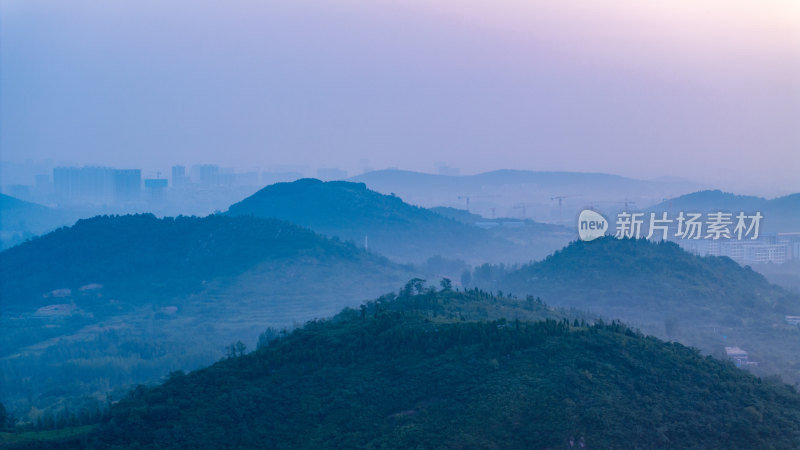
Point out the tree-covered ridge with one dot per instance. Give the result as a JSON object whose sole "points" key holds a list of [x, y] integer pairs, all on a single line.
{"points": [[384, 223], [395, 376], [707, 302], [91, 310], [663, 267], [639, 274], [336, 204], [164, 256], [709, 200], [780, 214]]}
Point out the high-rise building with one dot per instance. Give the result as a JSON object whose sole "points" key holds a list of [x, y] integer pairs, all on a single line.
{"points": [[211, 175], [83, 184], [179, 178], [206, 174], [127, 185]]}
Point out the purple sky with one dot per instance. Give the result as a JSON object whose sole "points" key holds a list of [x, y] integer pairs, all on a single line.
{"points": [[702, 89]]}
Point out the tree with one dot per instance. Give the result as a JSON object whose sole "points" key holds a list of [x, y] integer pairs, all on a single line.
{"points": [[266, 337], [414, 286], [235, 350], [446, 284]]}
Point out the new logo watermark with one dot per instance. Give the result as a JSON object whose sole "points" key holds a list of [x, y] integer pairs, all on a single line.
{"points": [[591, 225], [717, 225]]}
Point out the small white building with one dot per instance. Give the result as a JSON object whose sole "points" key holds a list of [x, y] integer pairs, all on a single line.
{"points": [[739, 357]]}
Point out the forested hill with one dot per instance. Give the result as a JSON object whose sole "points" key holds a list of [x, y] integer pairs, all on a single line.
{"points": [[90, 310], [587, 273], [780, 214], [707, 302], [411, 372], [162, 256], [332, 205], [389, 225]]}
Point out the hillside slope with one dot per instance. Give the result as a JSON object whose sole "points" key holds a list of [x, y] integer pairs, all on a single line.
{"points": [[117, 300], [707, 302], [384, 222], [781, 214], [21, 220], [399, 375], [523, 193]]}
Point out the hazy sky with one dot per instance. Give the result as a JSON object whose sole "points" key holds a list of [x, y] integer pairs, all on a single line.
{"points": [[703, 89]]}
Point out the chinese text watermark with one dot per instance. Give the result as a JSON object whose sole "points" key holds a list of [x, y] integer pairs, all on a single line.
{"points": [[714, 226]]}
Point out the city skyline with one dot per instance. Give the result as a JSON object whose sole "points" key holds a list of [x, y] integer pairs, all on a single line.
{"points": [[705, 90], [13, 173]]}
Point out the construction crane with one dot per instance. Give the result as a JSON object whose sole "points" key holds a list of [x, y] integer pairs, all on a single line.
{"points": [[524, 208], [560, 199], [484, 201]]}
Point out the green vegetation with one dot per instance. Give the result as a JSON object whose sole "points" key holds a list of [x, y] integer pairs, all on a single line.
{"points": [[392, 227], [167, 256], [63, 437], [413, 371], [127, 299], [705, 302], [91, 310]]}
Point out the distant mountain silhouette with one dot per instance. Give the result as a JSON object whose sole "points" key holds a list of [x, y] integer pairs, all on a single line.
{"points": [[385, 223], [522, 193], [21, 220], [781, 214], [386, 179], [9, 203]]}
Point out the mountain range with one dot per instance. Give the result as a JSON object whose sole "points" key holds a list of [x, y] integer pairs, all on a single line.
{"points": [[139, 279], [410, 371], [115, 300], [706, 302], [781, 214], [544, 196], [387, 224]]}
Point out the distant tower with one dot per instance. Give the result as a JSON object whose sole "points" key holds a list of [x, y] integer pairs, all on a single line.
{"points": [[366, 242], [127, 185], [178, 176]]}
